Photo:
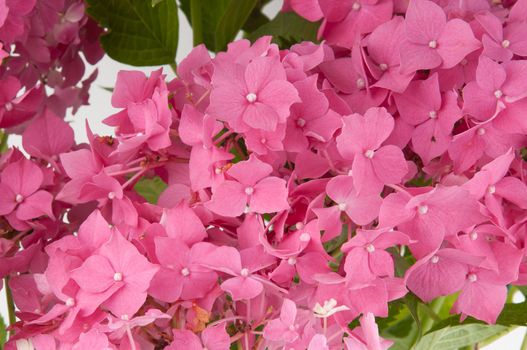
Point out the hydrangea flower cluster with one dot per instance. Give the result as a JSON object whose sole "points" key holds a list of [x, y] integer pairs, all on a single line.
{"points": [[44, 45], [295, 181]]}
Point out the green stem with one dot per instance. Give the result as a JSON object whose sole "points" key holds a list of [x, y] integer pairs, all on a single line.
{"points": [[10, 305], [195, 18], [174, 67], [3, 141]]}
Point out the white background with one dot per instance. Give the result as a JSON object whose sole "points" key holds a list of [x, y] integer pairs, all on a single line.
{"points": [[100, 108]]}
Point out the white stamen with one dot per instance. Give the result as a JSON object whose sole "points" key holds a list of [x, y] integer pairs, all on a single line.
{"points": [[111, 195], [117, 277], [432, 44], [342, 206], [263, 140], [370, 248], [249, 190], [383, 66], [472, 277], [8, 106], [435, 259], [369, 153], [473, 235], [291, 261], [125, 317], [505, 43], [361, 83], [432, 114], [70, 302], [244, 272], [19, 198], [217, 171], [464, 62], [330, 308], [305, 237], [251, 97], [185, 271], [423, 209], [491, 189], [356, 6], [481, 131], [300, 122], [498, 93]]}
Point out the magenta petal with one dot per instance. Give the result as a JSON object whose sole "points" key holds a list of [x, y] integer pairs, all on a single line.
{"points": [[228, 199], [95, 275], [216, 337], [242, 288], [269, 196], [38, 204]]}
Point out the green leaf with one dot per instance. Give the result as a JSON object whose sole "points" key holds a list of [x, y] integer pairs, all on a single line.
{"points": [[3, 332], [3, 141], [137, 32], [156, 2], [287, 28], [150, 188], [453, 338], [221, 20], [512, 315], [232, 21]]}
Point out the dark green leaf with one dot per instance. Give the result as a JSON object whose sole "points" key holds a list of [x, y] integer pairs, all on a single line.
{"points": [[221, 20], [231, 22], [412, 303], [137, 32], [287, 28], [155, 2], [150, 188]]}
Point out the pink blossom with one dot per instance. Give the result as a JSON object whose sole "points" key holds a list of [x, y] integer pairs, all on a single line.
{"points": [[431, 40]]}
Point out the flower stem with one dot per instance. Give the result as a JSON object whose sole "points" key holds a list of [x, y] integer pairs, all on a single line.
{"points": [[10, 305]]}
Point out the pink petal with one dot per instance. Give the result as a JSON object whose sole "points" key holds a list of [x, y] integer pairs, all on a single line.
{"points": [[269, 196]]}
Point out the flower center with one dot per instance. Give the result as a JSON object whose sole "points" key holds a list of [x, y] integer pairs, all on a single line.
{"points": [[117, 277], [491, 189], [505, 43], [111, 195], [481, 131], [185, 271], [251, 97], [300, 122], [263, 140], [125, 317], [360, 83], [383, 66], [432, 44], [305, 237], [498, 93], [291, 261], [249, 190], [422, 209], [473, 235], [432, 114], [342, 206], [435, 259], [70, 302], [369, 153], [356, 6], [244, 272], [370, 248], [9, 106], [19, 198], [472, 277]]}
